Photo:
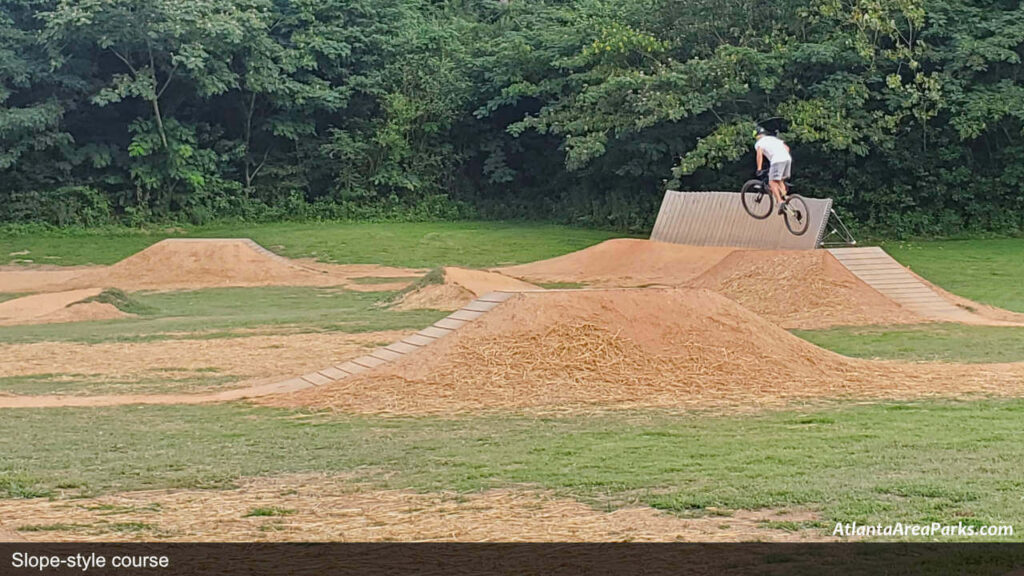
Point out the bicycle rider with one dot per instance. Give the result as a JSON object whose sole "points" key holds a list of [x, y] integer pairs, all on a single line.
{"points": [[779, 163]]}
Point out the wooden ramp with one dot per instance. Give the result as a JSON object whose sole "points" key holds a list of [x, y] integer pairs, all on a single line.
{"points": [[718, 219], [883, 273]]}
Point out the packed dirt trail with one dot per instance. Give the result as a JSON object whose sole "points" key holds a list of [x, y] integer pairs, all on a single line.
{"points": [[242, 367], [667, 348]]}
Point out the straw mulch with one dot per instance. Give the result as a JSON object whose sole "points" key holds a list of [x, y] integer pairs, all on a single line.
{"points": [[635, 348], [321, 508]]}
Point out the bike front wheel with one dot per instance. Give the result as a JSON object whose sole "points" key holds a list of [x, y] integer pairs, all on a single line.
{"points": [[757, 200], [796, 215]]}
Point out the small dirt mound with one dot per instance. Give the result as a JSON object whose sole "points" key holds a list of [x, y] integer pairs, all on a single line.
{"points": [[624, 262], [801, 289], [84, 312], [181, 264], [626, 348], [435, 297], [56, 307], [452, 288]]}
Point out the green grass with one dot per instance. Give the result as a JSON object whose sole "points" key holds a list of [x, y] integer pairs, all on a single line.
{"points": [[373, 280], [122, 301], [562, 285], [4, 296], [988, 271], [909, 462], [262, 512], [221, 312], [84, 385], [933, 342], [414, 245]]}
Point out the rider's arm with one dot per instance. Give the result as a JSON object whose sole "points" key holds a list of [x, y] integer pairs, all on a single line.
{"points": [[760, 159]]}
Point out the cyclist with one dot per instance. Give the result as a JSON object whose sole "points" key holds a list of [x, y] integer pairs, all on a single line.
{"points": [[779, 163]]}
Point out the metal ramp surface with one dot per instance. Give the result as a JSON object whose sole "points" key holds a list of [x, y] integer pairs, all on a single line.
{"points": [[718, 219], [883, 273]]}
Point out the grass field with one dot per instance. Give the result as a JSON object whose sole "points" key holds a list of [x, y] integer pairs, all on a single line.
{"points": [[927, 342], [916, 462], [474, 244], [224, 312], [987, 271]]}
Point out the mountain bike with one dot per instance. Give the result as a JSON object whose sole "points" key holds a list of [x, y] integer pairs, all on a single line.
{"points": [[758, 202]]}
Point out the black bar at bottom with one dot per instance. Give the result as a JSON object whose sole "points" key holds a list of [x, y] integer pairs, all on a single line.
{"points": [[519, 559]]}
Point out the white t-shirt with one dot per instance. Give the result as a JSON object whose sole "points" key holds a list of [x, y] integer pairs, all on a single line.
{"points": [[773, 148]]}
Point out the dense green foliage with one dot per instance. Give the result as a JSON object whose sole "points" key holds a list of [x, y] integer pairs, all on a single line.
{"points": [[908, 112]]}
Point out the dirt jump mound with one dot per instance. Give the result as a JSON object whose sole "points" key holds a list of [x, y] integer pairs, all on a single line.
{"points": [[181, 263], [625, 262], [677, 348], [452, 288], [801, 289]]}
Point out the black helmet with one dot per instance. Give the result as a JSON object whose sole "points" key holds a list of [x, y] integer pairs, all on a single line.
{"points": [[760, 131]]}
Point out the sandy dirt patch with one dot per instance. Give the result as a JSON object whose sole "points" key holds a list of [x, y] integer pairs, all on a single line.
{"points": [[435, 297], [56, 307], [460, 287], [481, 282], [318, 508], [35, 278], [249, 359], [673, 348]]}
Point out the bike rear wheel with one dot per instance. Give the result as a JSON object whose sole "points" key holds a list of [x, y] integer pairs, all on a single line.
{"points": [[796, 216], [757, 200]]}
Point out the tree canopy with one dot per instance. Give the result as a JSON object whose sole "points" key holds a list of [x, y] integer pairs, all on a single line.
{"points": [[910, 113]]}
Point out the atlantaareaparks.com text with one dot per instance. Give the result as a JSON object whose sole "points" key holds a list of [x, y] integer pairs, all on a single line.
{"points": [[933, 529]]}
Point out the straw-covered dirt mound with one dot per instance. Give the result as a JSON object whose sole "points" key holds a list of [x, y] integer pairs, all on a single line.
{"points": [[675, 348], [624, 262], [801, 289], [57, 307], [459, 287]]}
